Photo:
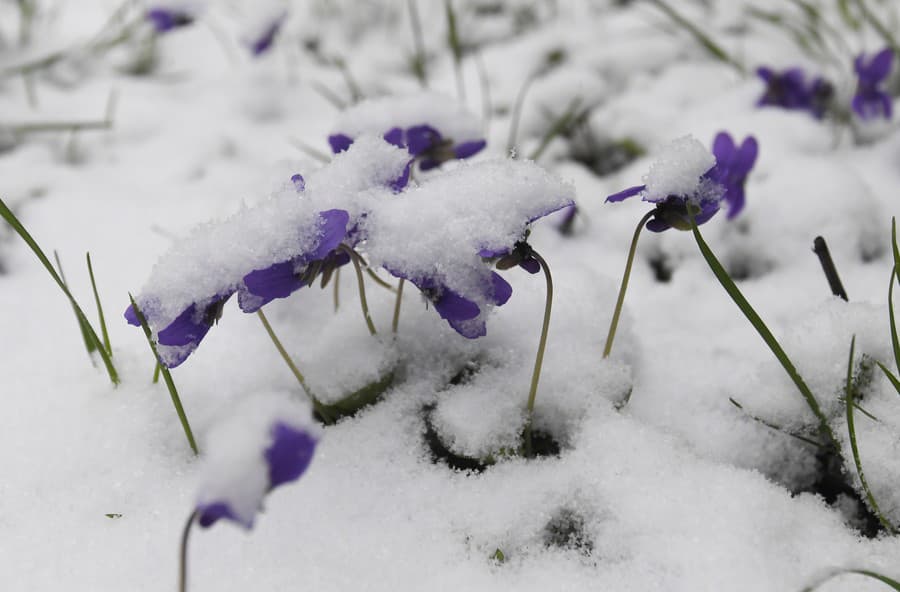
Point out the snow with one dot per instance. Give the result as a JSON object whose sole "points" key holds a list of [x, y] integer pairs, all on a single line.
{"points": [[676, 490], [678, 170]]}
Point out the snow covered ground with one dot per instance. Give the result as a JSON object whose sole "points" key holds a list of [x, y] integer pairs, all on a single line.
{"points": [[677, 490]]}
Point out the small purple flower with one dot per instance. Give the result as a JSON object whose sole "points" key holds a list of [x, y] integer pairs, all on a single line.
{"points": [[423, 142], [789, 90], [178, 340], [723, 182], [263, 42], [870, 100], [282, 279], [519, 253], [166, 19], [462, 314], [288, 455]]}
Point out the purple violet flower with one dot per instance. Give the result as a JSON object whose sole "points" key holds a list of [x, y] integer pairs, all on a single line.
{"points": [[282, 279], [788, 89], [519, 253], [263, 42], [423, 142], [178, 340], [462, 314], [723, 182], [166, 19], [870, 100], [288, 455]]}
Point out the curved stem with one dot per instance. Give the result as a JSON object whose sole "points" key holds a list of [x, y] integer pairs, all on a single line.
{"points": [[355, 258], [396, 321], [293, 367], [182, 565], [613, 325], [766, 334], [542, 344]]}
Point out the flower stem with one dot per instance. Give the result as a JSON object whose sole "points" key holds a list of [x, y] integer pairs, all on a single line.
{"points": [[317, 405], [182, 565], [820, 248], [766, 335], [354, 257], [539, 360], [396, 320], [337, 289], [613, 325]]}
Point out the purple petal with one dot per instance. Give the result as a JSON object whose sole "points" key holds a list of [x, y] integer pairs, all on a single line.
{"points": [[299, 182], [164, 19], [265, 41], [723, 147], [735, 200], [467, 149], [209, 514], [492, 254], [339, 142], [879, 66], [395, 136], [289, 455], [131, 317], [766, 73], [657, 225], [745, 157], [530, 265], [502, 289], [279, 280], [333, 230], [400, 183], [426, 164], [471, 329], [186, 329], [626, 193], [421, 138], [453, 307]]}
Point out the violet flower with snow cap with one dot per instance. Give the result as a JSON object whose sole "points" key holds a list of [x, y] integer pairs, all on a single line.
{"points": [[520, 252], [433, 128], [723, 181], [871, 101]]}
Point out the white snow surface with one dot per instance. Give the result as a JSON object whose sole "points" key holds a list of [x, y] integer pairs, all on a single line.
{"points": [[444, 113], [678, 490]]}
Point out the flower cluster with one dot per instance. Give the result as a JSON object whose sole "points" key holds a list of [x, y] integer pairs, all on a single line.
{"points": [[704, 192], [790, 90]]}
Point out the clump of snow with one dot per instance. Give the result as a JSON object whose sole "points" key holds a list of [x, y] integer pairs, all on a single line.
{"points": [[234, 466], [679, 170], [376, 116]]}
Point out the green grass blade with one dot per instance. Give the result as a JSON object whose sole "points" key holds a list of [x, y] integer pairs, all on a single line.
{"points": [[854, 446], [895, 274], [455, 48], [100, 315], [11, 219], [89, 344], [764, 332], [559, 127], [167, 377], [890, 376], [702, 38], [862, 572], [879, 27]]}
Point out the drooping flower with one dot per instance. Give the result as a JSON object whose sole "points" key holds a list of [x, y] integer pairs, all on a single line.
{"points": [[679, 191], [165, 19], [257, 451], [178, 340], [282, 279], [432, 128], [789, 90], [870, 100], [519, 253], [461, 313]]}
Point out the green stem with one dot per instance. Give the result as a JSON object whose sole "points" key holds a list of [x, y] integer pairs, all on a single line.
{"points": [[167, 377], [456, 49], [156, 373], [396, 320], [355, 258], [539, 359], [102, 318], [854, 446], [317, 405], [182, 564], [419, 62], [766, 335], [337, 289], [517, 114], [613, 325], [861, 572]]}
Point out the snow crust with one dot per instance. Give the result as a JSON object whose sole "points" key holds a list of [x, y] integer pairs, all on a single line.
{"points": [[678, 170]]}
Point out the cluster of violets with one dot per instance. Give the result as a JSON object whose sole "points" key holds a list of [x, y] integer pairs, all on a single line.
{"points": [[164, 18], [789, 89]]}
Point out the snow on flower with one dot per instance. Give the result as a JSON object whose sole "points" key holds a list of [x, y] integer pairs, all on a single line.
{"points": [[686, 175], [263, 252], [870, 100], [267, 442], [434, 128]]}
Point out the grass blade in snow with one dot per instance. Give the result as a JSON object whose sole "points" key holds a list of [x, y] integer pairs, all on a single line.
{"points": [[11, 219], [100, 315]]}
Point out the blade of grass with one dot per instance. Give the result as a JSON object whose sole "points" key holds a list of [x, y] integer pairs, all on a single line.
{"points": [[419, 62], [89, 344], [854, 446], [773, 426], [862, 572], [167, 377], [559, 126], [765, 333], [100, 315], [895, 274], [11, 219], [702, 38], [879, 27], [455, 48]]}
